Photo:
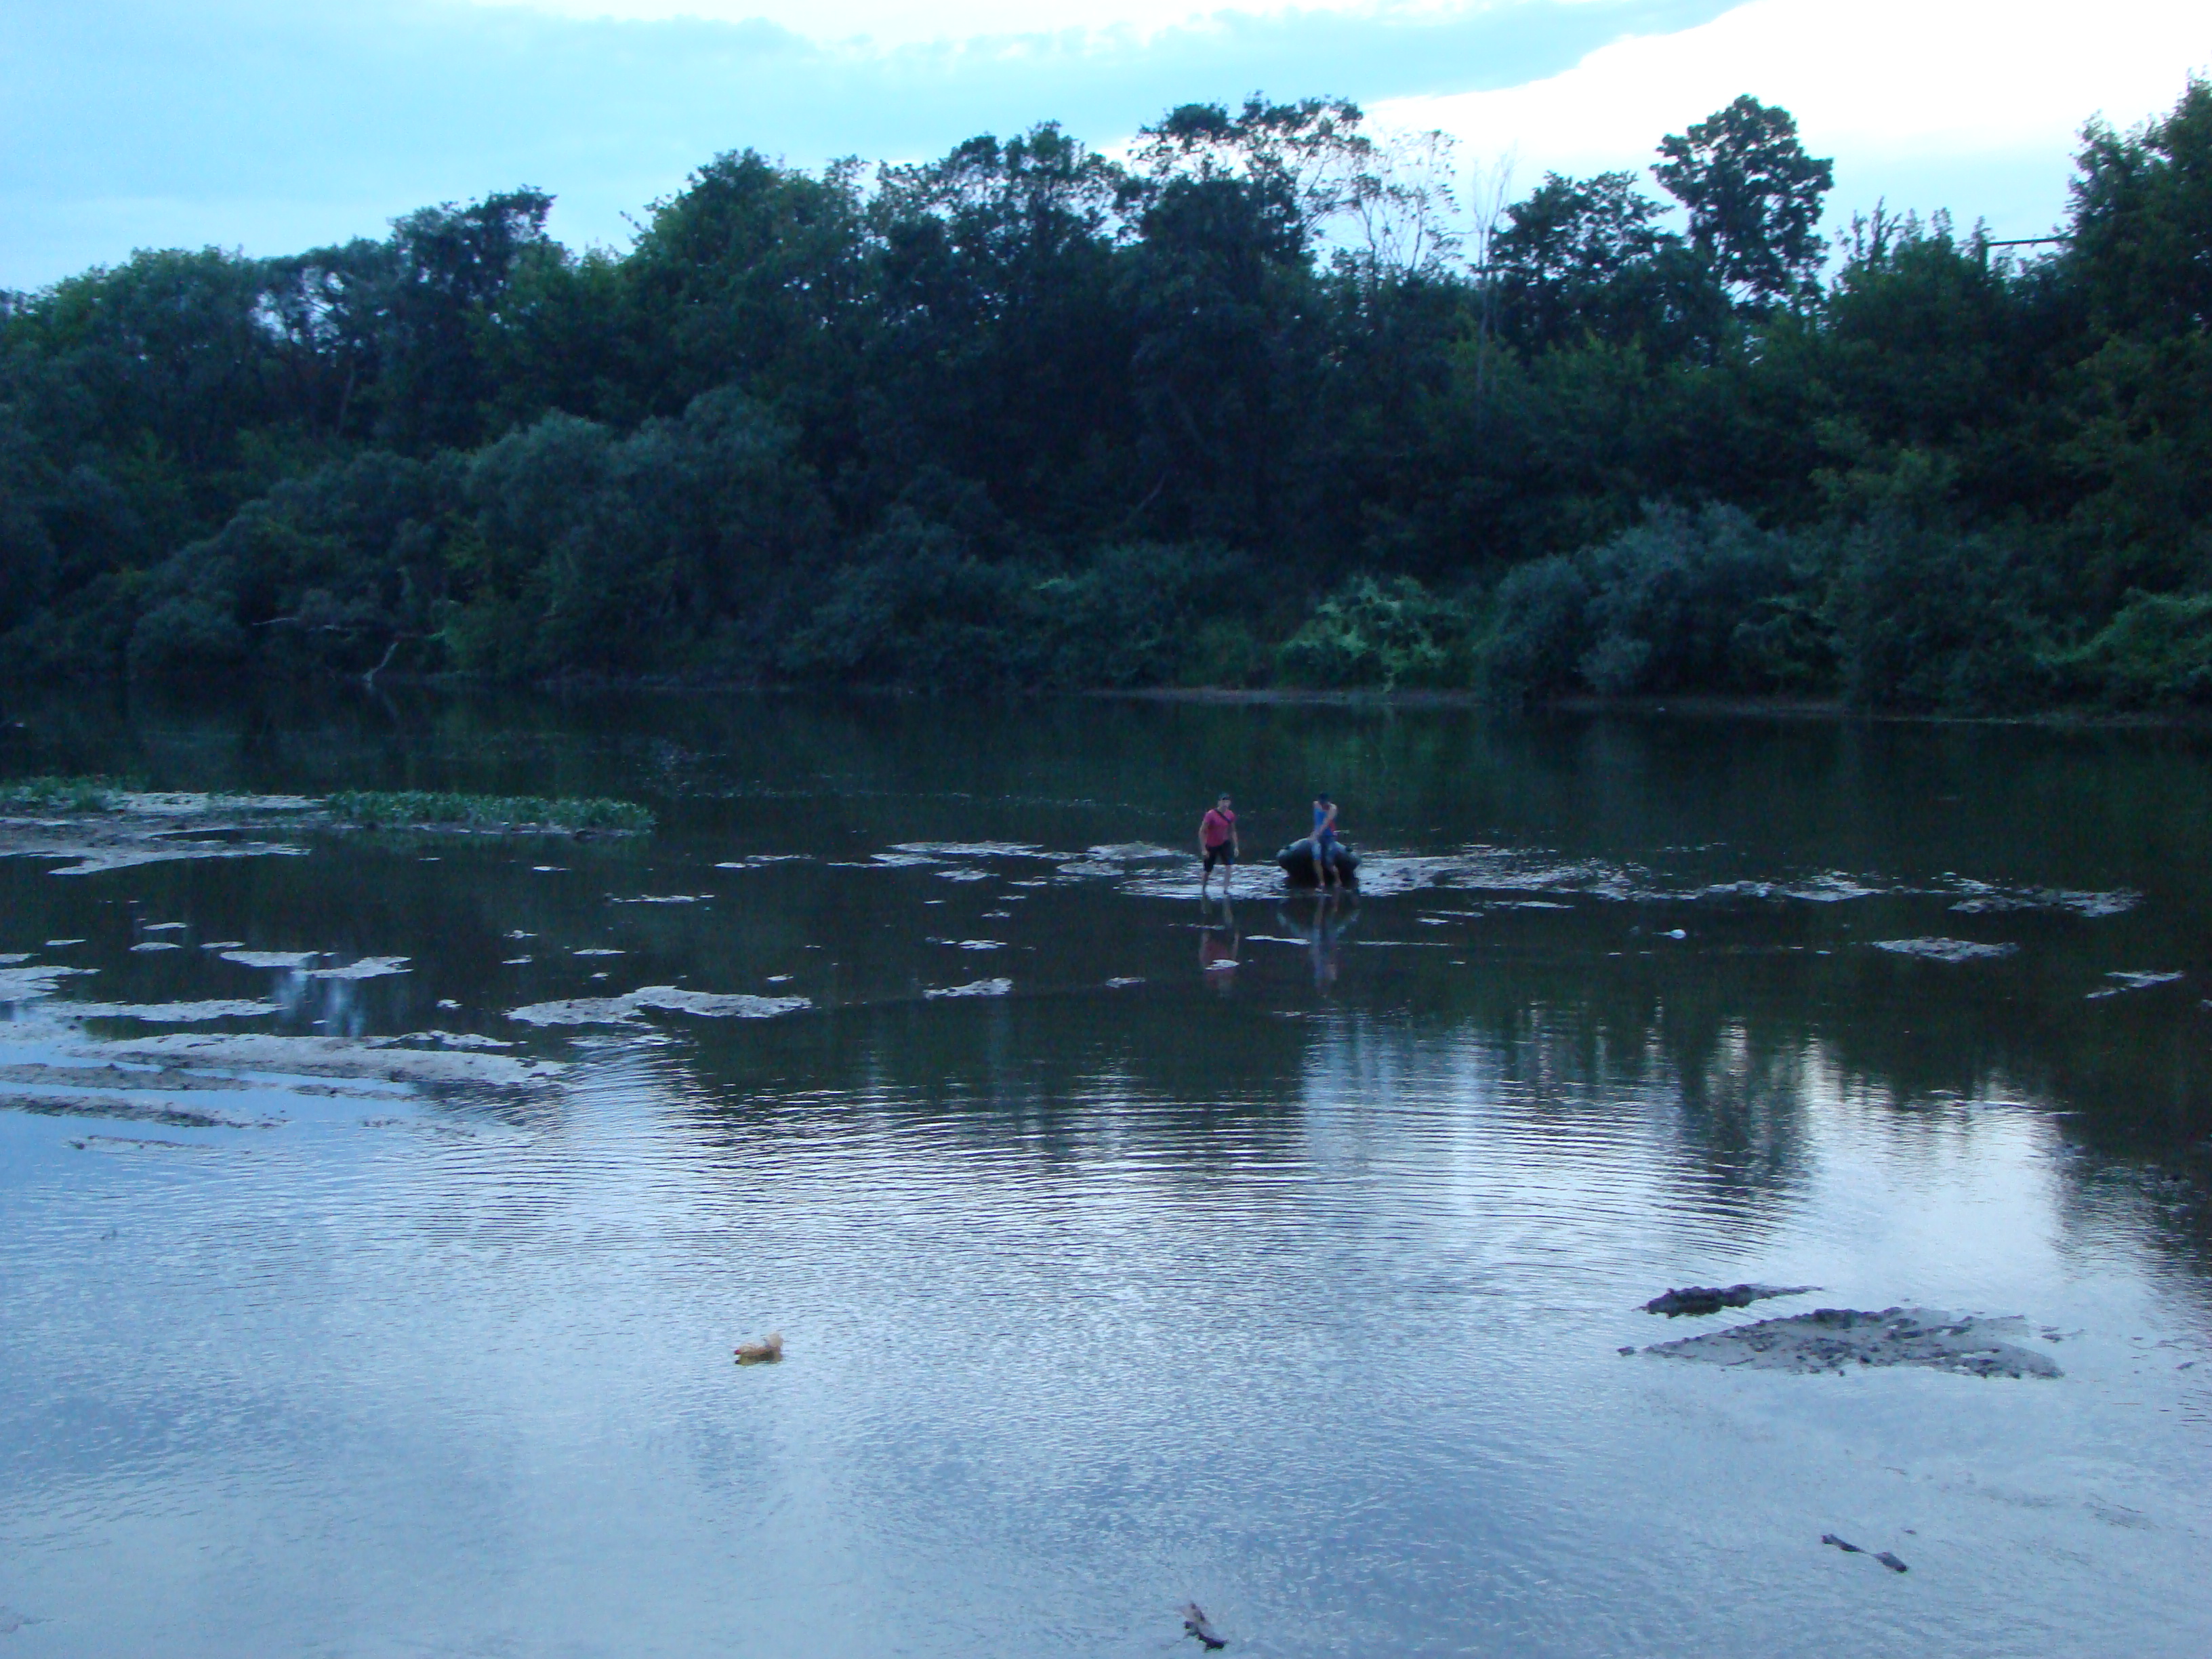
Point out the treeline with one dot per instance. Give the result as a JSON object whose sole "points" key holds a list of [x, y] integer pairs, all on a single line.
{"points": [[1261, 403]]}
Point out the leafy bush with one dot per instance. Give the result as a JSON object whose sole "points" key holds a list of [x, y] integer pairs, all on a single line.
{"points": [[1540, 631], [1140, 615], [57, 794], [417, 808], [1378, 634], [2157, 650], [1930, 619], [1670, 596]]}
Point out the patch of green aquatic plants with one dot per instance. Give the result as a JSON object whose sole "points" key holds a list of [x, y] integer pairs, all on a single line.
{"points": [[63, 794], [417, 809]]}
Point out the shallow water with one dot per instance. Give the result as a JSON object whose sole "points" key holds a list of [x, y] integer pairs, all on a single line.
{"points": [[1126, 1251]]}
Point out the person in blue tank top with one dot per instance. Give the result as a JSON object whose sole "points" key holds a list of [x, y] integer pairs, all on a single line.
{"points": [[1324, 841]]}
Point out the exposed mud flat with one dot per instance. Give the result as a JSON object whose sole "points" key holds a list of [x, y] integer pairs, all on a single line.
{"points": [[28, 984], [167, 1079], [2139, 980], [329, 1056], [155, 829], [129, 1144], [269, 959], [169, 1014], [120, 1107], [1712, 1299], [625, 1010], [365, 968], [1944, 949], [981, 988], [1838, 1339]]}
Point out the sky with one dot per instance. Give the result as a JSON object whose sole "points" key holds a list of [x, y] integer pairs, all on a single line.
{"points": [[275, 125]]}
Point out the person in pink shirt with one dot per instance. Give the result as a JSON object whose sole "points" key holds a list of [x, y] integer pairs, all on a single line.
{"points": [[1217, 844]]}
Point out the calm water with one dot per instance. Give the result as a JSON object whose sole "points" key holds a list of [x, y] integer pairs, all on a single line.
{"points": [[1277, 1257]]}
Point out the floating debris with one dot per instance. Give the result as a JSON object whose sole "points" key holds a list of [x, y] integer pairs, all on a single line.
{"points": [[766, 1352], [156, 944], [1882, 1556], [1712, 1299], [1835, 1339], [982, 988], [1944, 949], [599, 951], [662, 898], [165, 928], [1196, 1623]]}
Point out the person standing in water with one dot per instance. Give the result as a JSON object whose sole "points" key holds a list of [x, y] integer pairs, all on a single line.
{"points": [[1217, 844], [1324, 842]]}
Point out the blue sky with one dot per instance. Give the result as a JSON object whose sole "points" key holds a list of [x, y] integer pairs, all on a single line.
{"points": [[272, 127]]}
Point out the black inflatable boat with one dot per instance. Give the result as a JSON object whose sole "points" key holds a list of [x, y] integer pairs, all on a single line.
{"points": [[1298, 862]]}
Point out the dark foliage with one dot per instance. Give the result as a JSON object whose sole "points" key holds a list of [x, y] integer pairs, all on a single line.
{"points": [[1253, 406]]}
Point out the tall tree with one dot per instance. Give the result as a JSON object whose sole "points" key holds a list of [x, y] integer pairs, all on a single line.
{"points": [[1754, 196]]}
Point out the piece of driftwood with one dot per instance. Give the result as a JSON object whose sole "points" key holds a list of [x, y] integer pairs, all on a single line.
{"points": [[1882, 1556]]}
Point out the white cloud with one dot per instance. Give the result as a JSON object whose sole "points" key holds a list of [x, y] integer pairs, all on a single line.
{"points": [[1892, 88], [899, 22]]}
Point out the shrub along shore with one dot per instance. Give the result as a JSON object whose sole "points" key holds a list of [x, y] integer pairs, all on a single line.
{"points": [[1270, 403]]}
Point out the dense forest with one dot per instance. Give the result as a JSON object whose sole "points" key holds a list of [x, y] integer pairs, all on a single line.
{"points": [[1266, 401]]}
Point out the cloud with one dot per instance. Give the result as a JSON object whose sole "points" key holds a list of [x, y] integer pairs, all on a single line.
{"points": [[274, 126], [1933, 103]]}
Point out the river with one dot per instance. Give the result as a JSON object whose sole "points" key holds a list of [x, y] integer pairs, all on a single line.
{"points": [[1286, 1255]]}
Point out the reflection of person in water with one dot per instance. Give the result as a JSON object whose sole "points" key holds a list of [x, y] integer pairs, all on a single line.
{"points": [[1217, 844], [1217, 949], [1322, 938]]}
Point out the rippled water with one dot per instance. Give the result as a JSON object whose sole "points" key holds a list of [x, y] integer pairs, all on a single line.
{"points": [[1126, 1251]]}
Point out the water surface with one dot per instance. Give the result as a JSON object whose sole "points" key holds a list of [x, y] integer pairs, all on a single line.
{"points": [[1128, 1250]]}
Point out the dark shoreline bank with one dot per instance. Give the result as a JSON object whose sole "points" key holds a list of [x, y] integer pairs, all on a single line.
{"points": [[1692, 705]]}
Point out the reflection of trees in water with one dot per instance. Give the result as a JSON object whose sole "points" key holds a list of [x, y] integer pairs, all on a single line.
{"points": [[1054, 1078]]}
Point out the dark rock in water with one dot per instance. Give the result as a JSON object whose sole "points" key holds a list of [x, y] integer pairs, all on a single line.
{"points": [[1712, 1299], [1194, 1623], [1834, 1339], [1298, 862]]}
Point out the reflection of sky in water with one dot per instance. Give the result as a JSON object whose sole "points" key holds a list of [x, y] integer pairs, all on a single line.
{"points": [[1126, 1278]]}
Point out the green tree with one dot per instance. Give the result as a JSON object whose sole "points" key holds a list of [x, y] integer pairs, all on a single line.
{"points": [[1754, 196]]}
